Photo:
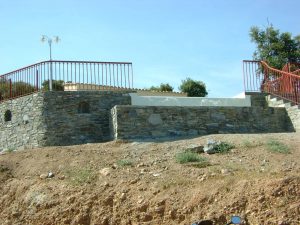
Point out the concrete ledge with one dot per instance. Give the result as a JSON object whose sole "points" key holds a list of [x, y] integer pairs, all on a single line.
{"points": [[188, 101]]}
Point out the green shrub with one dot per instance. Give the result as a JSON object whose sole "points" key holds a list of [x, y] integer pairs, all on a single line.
{"points": [[248, 144], [163, 87], [57, 85], [201, 164], [277, 147], [186, 157], [80, 176], [18, 88], [224, 147], [21, 88], [193, 88], [124, 162]]}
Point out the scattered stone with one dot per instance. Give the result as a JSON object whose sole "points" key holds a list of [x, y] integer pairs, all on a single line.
{"points": [[43, 176], [122, 196], [225, 171], [50, 175], [209, 148], [143, 171], [156, 174], [195, 148], [140, 165], [105, 184], [105, 171], [134, 181], [114, 166], [61, 177]]}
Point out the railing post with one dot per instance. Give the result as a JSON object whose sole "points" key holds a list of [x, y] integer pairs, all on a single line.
{"points": [[37, 80], [51, 76], [296, 87], [10, 88]]}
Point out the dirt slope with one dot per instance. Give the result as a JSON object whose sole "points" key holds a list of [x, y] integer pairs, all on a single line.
{"points": [[140, 183]]}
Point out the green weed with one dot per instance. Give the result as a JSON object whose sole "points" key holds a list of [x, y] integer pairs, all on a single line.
{"points": [[80, 176], [224, 147], [187, 157], [277, 147], [124, 162], [251, 144]]}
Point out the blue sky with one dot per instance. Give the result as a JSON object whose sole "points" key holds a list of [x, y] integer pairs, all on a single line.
{"points": [[167, 40]]}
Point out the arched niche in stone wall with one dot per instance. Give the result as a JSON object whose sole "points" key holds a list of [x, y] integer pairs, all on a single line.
{"points": [[83, 107]]}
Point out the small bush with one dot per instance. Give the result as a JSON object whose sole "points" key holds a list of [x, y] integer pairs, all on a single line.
{"points": [[124, 162], [201, 164], [223, 147], [17, 89], [187, 157], [253, 144], [80, 176], [3, 169], [277, 147], [193, 88], [57, 85]]}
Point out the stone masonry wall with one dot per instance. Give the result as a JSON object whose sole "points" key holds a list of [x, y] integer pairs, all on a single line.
{"points": [[54, 118], [67, 126], [143, 122], [68, 118], [26, 128]]}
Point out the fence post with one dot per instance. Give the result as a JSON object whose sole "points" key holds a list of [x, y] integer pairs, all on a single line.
{"points": [[296, 86], [37, 80], [10, 88], [51, 76]]}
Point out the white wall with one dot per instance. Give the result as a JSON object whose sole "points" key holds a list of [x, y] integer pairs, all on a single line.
{"points": [[188, 101]]}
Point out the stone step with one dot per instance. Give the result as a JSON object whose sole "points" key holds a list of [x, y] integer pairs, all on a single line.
{"points": [[296, 107], [275, 101]]}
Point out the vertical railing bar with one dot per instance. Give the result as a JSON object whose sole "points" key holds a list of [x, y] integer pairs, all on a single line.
{"points": [[106, 74], [121, 75], [110, 84], [131, 75], [250, 76], [253, 75], [117, 75], [98, 76], [128, 76], [125, 76], [243, 65], [113, 73], [102, 77], [91, 81], [83, 75], [10, 88], [95, 80]]}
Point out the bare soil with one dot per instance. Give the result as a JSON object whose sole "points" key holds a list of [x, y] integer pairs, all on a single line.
{"points": [[140, 183]]}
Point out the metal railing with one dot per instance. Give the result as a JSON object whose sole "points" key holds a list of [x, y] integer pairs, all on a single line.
{"points": [[66, 75], [260, 77]]}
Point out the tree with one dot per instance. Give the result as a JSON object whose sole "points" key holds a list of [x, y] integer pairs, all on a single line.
{"points": [[57, 85], [274, 47], [163, 87], [193, 88]]}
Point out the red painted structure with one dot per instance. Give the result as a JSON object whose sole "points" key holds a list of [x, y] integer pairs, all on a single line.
{"points": [[34, 78], [260, 77]]}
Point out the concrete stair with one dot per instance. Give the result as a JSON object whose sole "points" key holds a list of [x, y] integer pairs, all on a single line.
{"points": [[293, 110]]}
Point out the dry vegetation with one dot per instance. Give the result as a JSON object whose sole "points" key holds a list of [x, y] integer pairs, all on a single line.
{"points": [[147, 183]]}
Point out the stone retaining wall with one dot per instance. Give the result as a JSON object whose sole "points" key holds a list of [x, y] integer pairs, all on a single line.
{"points": [[146, 122], [27, 127], [55, 118], [67, 126], [68, 118]]}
